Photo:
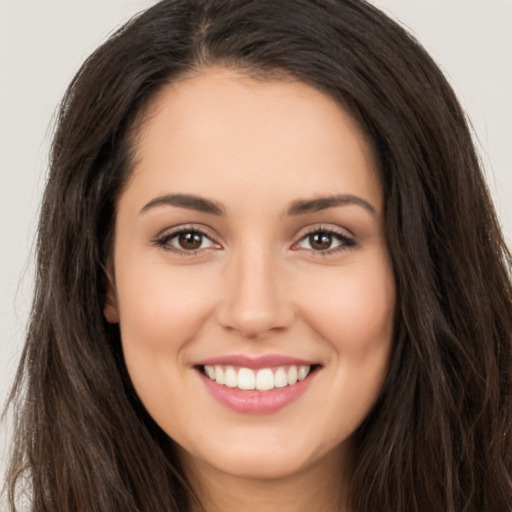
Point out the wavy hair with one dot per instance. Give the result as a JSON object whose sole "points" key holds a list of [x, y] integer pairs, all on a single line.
{"points": [[440, 436]]}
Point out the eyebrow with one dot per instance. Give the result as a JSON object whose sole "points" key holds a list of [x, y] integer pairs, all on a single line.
{"points": [[187, 201], [298, 207], [302, 206]]}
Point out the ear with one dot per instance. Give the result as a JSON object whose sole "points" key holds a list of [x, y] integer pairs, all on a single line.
{"points": [[110, 309]]}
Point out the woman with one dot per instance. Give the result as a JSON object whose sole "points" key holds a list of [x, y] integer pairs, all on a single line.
{"points": [[270, 276]]}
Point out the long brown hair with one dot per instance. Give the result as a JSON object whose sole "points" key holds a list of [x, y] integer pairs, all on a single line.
{"points": [[440, 436]]}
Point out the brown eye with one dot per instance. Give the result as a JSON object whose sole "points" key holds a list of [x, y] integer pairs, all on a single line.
{"points": [[190, 240], [320, 241], [186, 241], [325, 242]]}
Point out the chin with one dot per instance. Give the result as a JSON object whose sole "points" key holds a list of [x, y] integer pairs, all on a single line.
{"points": [[267, 457]]}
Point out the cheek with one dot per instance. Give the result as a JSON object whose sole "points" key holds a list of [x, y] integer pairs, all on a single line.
{"points": [[161, 312], [162, 306], [354, 314], [353, 308], [162, 309]]}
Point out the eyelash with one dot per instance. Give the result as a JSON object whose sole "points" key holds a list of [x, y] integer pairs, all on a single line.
{"points": [[345, 242], [163, 241]]}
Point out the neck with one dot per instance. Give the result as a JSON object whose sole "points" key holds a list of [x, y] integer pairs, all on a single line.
{"points": [[321, 487]]}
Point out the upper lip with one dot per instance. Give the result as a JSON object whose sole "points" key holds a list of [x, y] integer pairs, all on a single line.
{"points": [[265, 361]]}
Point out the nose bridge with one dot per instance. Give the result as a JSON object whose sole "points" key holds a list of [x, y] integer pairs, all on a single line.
{"points": [[254, 301]]}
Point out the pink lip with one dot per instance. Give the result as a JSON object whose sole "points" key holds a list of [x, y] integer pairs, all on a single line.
{"points": [[256, 402], [267, 361]]}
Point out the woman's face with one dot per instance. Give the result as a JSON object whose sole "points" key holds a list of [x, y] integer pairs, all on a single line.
{"points": [[253, 284]]}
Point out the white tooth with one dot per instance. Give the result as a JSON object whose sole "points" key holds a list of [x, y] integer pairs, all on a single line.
{"points": [[219, 375], [292, 375], [246, 379], [210, 371], [230, 377], [303, 372], [280, 380], [264, 379]]}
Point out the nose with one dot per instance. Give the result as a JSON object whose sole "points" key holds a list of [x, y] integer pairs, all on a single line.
{"points": [[254, 302]]}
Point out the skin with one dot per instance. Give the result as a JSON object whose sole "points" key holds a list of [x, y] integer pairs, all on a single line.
{"points": [[256, 285]]}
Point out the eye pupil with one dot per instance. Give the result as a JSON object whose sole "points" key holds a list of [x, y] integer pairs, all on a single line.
{"points": [[320, 241], [190, 240]]}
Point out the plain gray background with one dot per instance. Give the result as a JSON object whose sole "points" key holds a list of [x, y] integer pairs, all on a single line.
{"points": [[43, 42]]}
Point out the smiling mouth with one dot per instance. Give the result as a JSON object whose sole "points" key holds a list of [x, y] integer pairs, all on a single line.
{"points": [[263, 379]]}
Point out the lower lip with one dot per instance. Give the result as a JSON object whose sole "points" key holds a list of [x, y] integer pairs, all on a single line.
{"points": [[257, 402]]}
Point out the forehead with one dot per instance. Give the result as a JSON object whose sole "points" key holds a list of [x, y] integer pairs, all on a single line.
{"points": [[221, 126]]}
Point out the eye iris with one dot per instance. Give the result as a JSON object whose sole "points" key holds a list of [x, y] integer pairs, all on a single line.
{"points": [[190, 240], [320, 241]]}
